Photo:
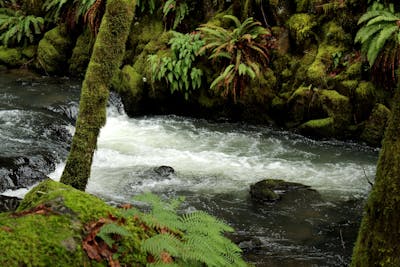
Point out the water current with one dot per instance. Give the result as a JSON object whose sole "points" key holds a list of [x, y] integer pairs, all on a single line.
{"points": [[214, 164]]}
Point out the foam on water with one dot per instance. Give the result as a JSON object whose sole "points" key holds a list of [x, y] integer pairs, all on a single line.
{"points": [[211, 158]]}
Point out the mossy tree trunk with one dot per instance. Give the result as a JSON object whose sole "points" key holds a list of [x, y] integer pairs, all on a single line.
{"points": [[107, 56], [378, 242]]}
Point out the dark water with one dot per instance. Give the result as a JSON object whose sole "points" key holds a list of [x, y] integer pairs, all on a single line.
{"points": [[214, 165]]}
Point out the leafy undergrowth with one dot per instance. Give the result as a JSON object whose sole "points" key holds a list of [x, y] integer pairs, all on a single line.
{"points": [[58, 225]]}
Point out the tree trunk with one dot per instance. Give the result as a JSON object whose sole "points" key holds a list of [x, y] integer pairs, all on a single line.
{"points": [[107, 55], [378, 242]]}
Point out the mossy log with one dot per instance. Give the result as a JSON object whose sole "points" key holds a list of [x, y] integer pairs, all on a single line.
{"points": [[378, 238], [107, 55], [51, 225]]}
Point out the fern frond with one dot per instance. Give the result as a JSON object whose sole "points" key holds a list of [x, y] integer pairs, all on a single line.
{"points": [[110, 229]]}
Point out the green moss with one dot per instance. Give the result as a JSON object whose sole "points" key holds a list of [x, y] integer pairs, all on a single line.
{"points": [[108, 52], [10, 56], [81, 54], [53, 51], [145, 30], [34, 239], [377, 242], [301, 27], [29, 51], [334, 34], [353, 71], [319, 127], [317, 71], [375, 125]]}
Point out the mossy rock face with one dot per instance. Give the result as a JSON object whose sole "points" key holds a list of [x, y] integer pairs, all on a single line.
{"points": [[143, 31], [301, 26], [299, 105], [53, 51], [129, 84], [325, 110], [272, 190], [49, 227], [317, 72], [375, 125], [334, 34], [81, 54], [11, 57], [364, 100]]}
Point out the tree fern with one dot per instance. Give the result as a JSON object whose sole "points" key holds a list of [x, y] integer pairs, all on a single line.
{"points": [[195, 239]]}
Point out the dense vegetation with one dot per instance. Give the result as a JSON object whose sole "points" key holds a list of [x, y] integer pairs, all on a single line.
{"points": [[294, 63]]}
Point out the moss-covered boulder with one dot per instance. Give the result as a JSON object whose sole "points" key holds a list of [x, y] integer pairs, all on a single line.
{"points": [[301, 26], [11, 57], [52, 225], [81, 54], [375, 125], [363, 100], [319, 127], [129, 84], [54, 51]]}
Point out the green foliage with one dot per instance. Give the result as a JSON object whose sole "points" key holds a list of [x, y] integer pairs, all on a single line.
{"points": [[149, 5], [193, 239], [179, 8], [381, 24], [19, 28], [108, 230], [242, 52], [178, 70], [380, 42], [72, 11]]}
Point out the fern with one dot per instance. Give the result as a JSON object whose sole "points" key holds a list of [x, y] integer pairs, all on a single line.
{"points": [[108, 230], [242, 51], [194, 239], [178, 70], [149, 5], [18, 28], [380, 25]]}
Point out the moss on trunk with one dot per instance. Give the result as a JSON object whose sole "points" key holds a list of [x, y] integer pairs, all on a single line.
{"points": [[107, 55], [379, 234]]}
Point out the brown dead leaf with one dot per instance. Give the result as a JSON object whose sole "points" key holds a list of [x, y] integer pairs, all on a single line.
{"points": [[96, 248], [6, 228], [41, 210], [166, 258]]}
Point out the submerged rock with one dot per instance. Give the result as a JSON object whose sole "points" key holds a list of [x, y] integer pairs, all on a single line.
{"points": [[271, 190], [9, 203]]}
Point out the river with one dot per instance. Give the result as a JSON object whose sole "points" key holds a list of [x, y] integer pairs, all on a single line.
{"points": [[214, 164]]}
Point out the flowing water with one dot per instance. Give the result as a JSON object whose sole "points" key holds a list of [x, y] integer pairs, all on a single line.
{"points": [[214, 165]]}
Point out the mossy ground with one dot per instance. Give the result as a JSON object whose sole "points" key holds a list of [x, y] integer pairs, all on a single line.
{"points": [[53, 236]]}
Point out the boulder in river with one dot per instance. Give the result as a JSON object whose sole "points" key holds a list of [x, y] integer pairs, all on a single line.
{"points": [[271, 190], [164, 171]]}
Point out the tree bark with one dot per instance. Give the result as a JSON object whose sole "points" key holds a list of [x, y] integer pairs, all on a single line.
{"points": [[107, 56], [378, 242]]}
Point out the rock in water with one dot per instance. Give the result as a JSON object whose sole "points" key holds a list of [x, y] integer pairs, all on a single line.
{"points": [[164, 171], [271, 190], [8, 203]]}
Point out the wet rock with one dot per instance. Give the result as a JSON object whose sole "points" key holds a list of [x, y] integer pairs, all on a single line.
{"points": [[375, 125], [164, 171], [70, 110], [53, 51], [9, 203], [271, 190], [20, 172]]}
